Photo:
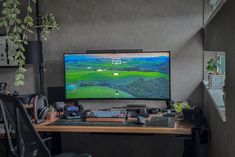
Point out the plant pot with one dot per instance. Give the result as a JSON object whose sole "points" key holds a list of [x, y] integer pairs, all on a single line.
{"points": [[51, 116], [216, 81], [178, 115]]}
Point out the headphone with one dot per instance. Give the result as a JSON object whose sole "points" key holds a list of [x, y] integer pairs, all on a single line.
{"points": [[40, 107]]}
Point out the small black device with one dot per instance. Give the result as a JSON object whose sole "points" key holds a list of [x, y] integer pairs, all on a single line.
{"points": [[193, 115], [72, 112], [59, 105], [154, 110], [137, 110], [141, 120], [2, 86], [168, 112]]}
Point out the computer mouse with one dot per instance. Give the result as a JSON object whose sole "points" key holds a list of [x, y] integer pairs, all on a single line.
{"points": [[141, 120]]}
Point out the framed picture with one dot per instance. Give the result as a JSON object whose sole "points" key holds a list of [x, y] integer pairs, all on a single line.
{"points": [[3, 51]]}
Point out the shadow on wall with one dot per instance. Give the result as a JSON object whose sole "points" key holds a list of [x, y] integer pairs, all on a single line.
{"points": [[130, 11], [187, 69], [197, 96]]}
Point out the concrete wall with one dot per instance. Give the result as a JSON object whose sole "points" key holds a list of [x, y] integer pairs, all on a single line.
{"points": [[118, 24], [122, 24], [220, 35]]}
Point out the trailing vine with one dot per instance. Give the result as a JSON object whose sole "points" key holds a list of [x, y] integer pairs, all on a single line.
{"points": [[16, 31], [47, 22]]}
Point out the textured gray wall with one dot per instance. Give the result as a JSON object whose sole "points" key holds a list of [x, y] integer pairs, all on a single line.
{"points": [[220, 35], [121, 24]]}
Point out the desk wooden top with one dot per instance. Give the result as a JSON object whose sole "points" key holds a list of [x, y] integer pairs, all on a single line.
{"points": [[178, 128]]}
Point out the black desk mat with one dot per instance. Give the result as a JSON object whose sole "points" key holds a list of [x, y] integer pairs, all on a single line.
{"points": [[155, 122]]}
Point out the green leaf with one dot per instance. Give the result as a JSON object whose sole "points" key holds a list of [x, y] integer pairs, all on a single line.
{"points": [[30, 19], [17, 83], [17, 11], [19, 30], [29, 9], [14, 29], [22, 70], [24, 37], [26, 19], [18, 21], [34, 1], [23, 26], [11, 22], [30, 24], [25, 42], [30, 31], [4, 11]]}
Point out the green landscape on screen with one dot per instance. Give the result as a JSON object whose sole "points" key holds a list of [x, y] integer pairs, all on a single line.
{"points": [[128, 76]]}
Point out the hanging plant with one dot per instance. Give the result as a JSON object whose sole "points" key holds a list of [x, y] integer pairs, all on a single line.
{"points": [[48, 23], [17, 31]]}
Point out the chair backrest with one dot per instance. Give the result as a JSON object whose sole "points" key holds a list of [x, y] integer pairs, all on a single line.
{"points": [[19, 126]]}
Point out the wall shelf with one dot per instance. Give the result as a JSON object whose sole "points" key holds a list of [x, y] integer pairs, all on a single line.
{"points": [[217, 98], [9, 66]]}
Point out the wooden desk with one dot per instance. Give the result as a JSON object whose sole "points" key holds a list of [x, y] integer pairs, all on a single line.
{"points": [[178, 128]]}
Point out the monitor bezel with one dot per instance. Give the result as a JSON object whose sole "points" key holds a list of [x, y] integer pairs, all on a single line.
{"points": [[169, 52]]}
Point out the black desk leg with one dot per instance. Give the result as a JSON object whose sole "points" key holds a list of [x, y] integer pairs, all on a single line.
{"points": [[7, 145], [188, 148], [56, 143]]}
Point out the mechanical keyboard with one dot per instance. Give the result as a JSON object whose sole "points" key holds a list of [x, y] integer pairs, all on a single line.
{"points": [[107, 116]]}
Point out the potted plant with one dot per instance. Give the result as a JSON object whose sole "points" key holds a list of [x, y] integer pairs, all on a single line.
{"points": [[52, 114], [47, 23], [215, 79], [18, 26], [179, 106]]}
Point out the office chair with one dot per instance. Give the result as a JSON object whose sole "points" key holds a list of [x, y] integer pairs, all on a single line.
{"points": [[18, 126]]}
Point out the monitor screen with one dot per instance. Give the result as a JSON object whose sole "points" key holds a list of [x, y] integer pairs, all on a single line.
{"points": [[117, 75]]}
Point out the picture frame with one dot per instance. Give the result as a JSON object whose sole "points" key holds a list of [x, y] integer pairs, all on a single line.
{"points": [[3, 50], [5, 54]]}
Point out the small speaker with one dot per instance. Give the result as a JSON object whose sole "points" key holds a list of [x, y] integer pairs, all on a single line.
{"points": [[55, 94], [33, 52]]}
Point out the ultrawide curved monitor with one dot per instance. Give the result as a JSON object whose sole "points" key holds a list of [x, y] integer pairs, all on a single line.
{"points": [[117, 75]]}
